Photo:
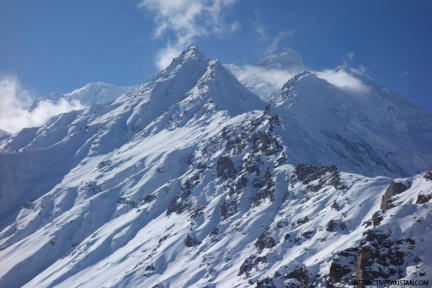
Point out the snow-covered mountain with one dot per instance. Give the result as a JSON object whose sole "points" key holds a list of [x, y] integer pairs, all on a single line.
{"points": [[194, 181], [367, 130], [92, 93]]}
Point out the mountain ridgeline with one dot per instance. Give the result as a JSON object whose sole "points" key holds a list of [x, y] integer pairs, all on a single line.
{"points": [[192, 180]]}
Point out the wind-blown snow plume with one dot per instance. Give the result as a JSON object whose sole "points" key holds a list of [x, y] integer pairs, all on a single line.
{"points": [[188, 20], [13, 100], [343, 80]]}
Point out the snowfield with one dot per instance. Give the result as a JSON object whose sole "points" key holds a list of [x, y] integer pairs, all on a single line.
{"points": [[192, 180]]}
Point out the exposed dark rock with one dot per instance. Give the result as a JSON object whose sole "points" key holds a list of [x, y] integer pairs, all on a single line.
{"points": [[342, 266], [104, 164], [149, 268], [428, 176], [148, 199], [265, 283], [393, 189], [331, 225], [326, 176], [251, 262], [201, 166], [300, 273], [300, 222], [234, 143], [265, 142], [379, 257], [308, 234], [181, 202], [191, 241], [228, 208], [225, 168], [423, 198], [377, 217], [92, 188], [267, 191], [335, 205], [288, 277], [265, 241], [241, 182]]}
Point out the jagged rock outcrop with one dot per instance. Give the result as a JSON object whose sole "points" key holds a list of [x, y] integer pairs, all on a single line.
{"points": [[379, 257], [225, 168], [393, 189], [250, 263], [267, 191], [316, 177], [343, 266], [423, 198], [265, 241]]}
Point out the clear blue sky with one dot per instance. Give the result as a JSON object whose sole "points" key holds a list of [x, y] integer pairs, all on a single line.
{"points": [[59, 46]]}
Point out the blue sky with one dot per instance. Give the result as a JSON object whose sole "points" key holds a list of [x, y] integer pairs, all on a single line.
{"points": [[62, 45]]}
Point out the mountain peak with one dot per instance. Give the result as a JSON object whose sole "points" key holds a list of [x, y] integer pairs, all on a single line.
{"points": [[288, 59], [192, 52]]}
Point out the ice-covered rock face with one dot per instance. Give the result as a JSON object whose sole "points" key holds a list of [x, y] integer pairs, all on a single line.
{"points": [[288, 59]]}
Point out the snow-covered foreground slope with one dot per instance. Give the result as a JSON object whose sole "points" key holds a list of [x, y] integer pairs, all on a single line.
{"points": [[191, 182]]}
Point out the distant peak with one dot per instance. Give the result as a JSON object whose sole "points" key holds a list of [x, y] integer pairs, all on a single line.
{"points": [[288, 59]]}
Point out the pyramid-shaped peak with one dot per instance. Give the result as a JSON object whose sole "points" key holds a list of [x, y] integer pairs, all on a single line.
{"points": [[192, 52]]}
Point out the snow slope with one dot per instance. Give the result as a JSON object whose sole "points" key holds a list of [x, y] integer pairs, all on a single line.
{"points": [[368, 130], [191, 182]]}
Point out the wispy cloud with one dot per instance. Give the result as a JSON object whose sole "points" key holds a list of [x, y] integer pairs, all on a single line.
{"points": [[340, 78], [272, 43], [275, 43], [13, 102], [259, 27], [187, 20], [262, 80]]}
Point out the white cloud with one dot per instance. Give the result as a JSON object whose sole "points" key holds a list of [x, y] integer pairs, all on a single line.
{"points": [[343, 80], [13, 100], [188, 20], [261, 80], [350, 55]]}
